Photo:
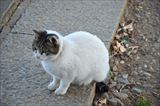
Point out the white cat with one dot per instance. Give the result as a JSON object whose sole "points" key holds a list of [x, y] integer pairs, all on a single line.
{"points": [[79, 57]]}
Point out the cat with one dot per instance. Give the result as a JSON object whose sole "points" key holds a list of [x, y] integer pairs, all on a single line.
{"points": [[79, 58]]}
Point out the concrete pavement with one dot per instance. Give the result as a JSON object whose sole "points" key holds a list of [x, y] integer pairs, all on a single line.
{"points": [[23, 80]]}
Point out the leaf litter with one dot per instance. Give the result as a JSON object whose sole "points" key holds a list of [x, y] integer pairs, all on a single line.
{"points": [[120, 89], [120, 44]]}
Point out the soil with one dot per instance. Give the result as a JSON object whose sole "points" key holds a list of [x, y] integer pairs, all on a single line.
{"points": [[143, 68]]}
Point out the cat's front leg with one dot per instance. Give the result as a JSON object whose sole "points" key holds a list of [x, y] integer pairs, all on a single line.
{"points": [[54, 84], [63, 87]]}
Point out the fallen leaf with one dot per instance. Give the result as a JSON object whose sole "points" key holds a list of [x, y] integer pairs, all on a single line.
{"points": [[129, 27], [125, 28], [119, 48], [132, 50]]}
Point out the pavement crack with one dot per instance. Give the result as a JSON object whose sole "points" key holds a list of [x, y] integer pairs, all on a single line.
{"points": [[22, 33]]}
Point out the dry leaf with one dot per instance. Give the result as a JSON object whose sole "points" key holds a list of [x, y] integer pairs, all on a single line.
{"points": [[120, 47], [133, 49], [125, 28], [129, 27]]}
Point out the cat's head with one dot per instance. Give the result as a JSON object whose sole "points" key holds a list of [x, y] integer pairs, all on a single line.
{"points": [[47, 44]]}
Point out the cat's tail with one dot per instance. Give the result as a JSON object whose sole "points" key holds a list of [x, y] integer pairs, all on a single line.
{"points": [[99, 88]]}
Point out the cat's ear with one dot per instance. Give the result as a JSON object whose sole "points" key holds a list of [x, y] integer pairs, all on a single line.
{"points": [[53, 40], [38, 33]]}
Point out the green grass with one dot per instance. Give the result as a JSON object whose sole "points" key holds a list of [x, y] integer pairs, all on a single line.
{"points": [[142, 101]]}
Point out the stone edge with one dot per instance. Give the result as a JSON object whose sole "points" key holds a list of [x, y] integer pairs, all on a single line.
{"points": [[11, 16], [92, 94]]}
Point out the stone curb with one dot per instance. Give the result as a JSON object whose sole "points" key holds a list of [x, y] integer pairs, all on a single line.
{"points": [[123, 10], [11, 16], [9, 12]]}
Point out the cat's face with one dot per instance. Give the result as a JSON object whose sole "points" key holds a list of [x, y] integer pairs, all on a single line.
{"points": [[45, 45]]}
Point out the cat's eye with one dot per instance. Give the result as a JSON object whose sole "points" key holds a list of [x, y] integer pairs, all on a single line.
{"points": [[47, 53], [34, 49], [42, 52]]}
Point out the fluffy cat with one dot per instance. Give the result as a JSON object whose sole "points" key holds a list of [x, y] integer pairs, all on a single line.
{"points": [[79, 57]]}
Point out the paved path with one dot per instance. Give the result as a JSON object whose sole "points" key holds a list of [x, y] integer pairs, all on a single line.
{"points": [[23, 80]]}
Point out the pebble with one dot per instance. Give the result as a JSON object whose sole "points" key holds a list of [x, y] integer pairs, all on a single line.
{"points": [[112, 84], [117, 62], [145, 66], [147, 74], [138, 83], [115, 68], [134, 73], [123, 79], [115, 102], [125, 76], [122, 62], [120, 95], [147, 86], [136, 90], [151, 69], [137, 58], [115, 73]]}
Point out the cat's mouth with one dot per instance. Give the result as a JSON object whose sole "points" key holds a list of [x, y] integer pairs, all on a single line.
{"points": [[39, 56]]}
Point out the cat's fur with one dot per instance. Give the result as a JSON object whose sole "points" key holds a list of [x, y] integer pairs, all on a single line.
{"points": [[79, 57]]}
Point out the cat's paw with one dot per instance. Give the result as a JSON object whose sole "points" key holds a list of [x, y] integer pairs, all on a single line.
{"points": [[59, 91], [52, 86]]}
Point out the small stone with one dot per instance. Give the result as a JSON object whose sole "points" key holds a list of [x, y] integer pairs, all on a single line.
{"points": [[136, 90], [125, 76], [117, 62], [120, 95], [119, 86], [151, 69], [112, 84], [115, 78], [134, 73], [122, 62], [115, 68], [125, 90], [137, 58], [138, 83], [147, 74], [123, 79], [147, 86], [115, 102], [140, 71], [145, 66], [115, 73]]}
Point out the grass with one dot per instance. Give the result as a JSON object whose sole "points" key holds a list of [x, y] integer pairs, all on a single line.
{"points": [[142, 101]]}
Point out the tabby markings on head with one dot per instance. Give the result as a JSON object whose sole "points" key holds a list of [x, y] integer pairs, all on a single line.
{"points": [[45, 44]]}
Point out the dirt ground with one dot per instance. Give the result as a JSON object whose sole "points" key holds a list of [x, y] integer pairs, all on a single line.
{"points": [[143, 67]]}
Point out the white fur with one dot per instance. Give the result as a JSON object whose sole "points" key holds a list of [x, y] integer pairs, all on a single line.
{"points": [[82, 58]]}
